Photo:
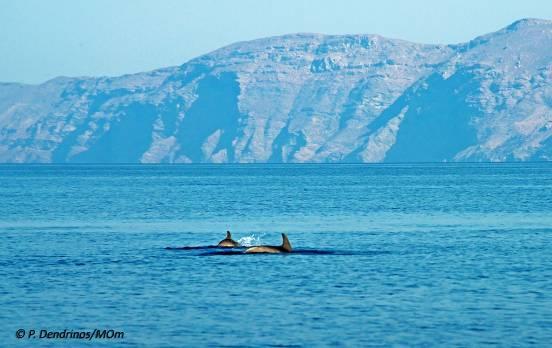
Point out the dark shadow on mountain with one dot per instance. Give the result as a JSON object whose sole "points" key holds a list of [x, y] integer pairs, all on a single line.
{"points": [[293, 142], [61, 152], [126, 140], [277, 145], [437, 124], [216, 108], [354, 100]]}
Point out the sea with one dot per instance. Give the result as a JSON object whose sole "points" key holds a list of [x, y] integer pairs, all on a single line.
{"points": [[384, 255]]}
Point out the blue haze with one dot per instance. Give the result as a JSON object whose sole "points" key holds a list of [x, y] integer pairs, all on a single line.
{"points": [[410, 255]]}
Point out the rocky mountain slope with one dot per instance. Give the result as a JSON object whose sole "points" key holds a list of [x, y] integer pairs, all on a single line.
{"points": [[301, 98]]}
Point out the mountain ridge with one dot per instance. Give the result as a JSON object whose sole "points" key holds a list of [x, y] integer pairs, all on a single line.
{"points": [[301, 98]]}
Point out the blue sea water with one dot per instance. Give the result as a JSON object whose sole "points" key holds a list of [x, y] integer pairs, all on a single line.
{"points": [[449, 255]]}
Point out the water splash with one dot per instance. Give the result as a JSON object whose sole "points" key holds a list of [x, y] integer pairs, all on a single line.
{"points": [[253, 239]]}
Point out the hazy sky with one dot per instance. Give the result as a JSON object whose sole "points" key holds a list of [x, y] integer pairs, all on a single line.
{"points": [[43, 39]]}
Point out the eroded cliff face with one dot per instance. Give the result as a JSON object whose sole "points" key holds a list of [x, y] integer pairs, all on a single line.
{"points": [[301, 98]]}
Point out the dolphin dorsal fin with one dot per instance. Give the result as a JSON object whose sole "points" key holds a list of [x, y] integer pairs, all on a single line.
{"points": [[286, 245], [228, 235]]}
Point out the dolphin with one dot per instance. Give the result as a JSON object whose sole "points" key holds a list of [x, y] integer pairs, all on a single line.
{"points": [[269, 249], [228, 242]]}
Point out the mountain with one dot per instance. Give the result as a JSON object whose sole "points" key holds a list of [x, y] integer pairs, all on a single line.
{"points": [[301, 98]]}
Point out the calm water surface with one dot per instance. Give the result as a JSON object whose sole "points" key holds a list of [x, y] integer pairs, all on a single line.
{"points": [[389, 255]]}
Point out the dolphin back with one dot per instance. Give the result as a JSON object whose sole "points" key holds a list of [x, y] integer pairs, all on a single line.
{"points": [[228, 242], [269, 249], [286, 245], [263, 249]]}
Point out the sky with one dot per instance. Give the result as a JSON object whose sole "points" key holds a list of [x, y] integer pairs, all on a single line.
{"points": [[40, 40]]}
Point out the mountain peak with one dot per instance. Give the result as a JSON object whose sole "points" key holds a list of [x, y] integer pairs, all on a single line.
{"points": [[528, 22]]}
